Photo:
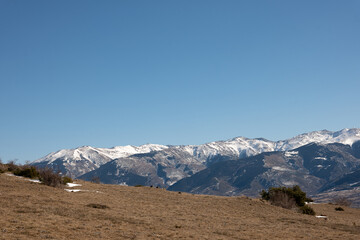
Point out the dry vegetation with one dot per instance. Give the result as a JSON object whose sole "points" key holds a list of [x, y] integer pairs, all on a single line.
{"points": [[35, 211]]}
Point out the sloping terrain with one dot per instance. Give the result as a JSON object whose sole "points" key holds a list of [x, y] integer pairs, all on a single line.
{"points": [[78, 161], [164, 165], [160, 168], [315, 168], [34, 211]]}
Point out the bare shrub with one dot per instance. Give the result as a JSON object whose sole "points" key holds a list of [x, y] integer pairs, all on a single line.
{"points": [[50, 178], [3, 167], [11, 166], [342, 201], [282, 199]]}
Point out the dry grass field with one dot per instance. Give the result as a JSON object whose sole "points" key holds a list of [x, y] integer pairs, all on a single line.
{"points": [[34, 211]]}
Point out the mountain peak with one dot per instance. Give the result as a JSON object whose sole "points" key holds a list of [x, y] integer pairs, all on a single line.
{"points": [[89, 158]]}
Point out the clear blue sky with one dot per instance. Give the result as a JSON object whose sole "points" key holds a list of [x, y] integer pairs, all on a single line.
{"points": [[107, 73]]}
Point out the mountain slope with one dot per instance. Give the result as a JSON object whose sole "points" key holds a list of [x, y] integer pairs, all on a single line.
{"points": [[314, 167], [159, 168], [34, 211], [75, 162], [172, 163]]}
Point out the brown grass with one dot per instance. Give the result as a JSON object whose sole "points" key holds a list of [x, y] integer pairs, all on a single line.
{"points": [[34, 211]]}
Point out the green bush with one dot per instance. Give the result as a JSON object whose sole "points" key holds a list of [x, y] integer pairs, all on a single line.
{"points": [[265, 195], [293, 192], [66, 180], [307, 210], [27, 171], [289, 198]]}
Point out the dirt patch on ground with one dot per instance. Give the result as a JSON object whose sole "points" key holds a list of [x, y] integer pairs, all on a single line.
{"points": [[33, 211]]}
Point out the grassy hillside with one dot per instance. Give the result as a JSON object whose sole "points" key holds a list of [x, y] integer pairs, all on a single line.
{"points": [[34, 211]]}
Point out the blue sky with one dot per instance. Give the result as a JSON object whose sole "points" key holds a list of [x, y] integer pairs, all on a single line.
{"points": [[107, 73]]}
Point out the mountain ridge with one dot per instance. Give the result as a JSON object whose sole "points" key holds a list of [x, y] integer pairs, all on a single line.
{"points": [[319, 169], [174, 162]]}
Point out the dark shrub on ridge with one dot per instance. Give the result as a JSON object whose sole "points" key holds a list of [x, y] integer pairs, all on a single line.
{"points": [[27, 171], [291, 197], [50, 178]]}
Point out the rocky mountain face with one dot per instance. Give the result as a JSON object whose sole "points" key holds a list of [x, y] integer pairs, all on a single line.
{"points": [[159, 168], [315, 167], [76, 162], [165, 165]]}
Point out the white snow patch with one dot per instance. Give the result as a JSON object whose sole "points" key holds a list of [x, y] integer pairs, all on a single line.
{"points": [[320, 158], [34, 180], [289, 183], [352, 184], [73, 185], [280, 168], [73, 190], [291, 153]]}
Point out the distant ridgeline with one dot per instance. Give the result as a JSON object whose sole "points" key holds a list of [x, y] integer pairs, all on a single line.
{"points": [[319, 162]]}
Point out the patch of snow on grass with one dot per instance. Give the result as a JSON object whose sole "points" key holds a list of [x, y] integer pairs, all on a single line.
{"points": [[34, 180], [73, 184], [73, 190]]}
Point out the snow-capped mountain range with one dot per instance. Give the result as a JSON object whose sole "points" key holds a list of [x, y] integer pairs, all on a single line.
{"points": [[184, 160], [324, 171], [78, 161], [91, 153]]}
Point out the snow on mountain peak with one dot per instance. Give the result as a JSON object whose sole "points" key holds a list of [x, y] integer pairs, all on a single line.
{"points": [[236, 146], [91, 153], [344, 136], [88, 158]]}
